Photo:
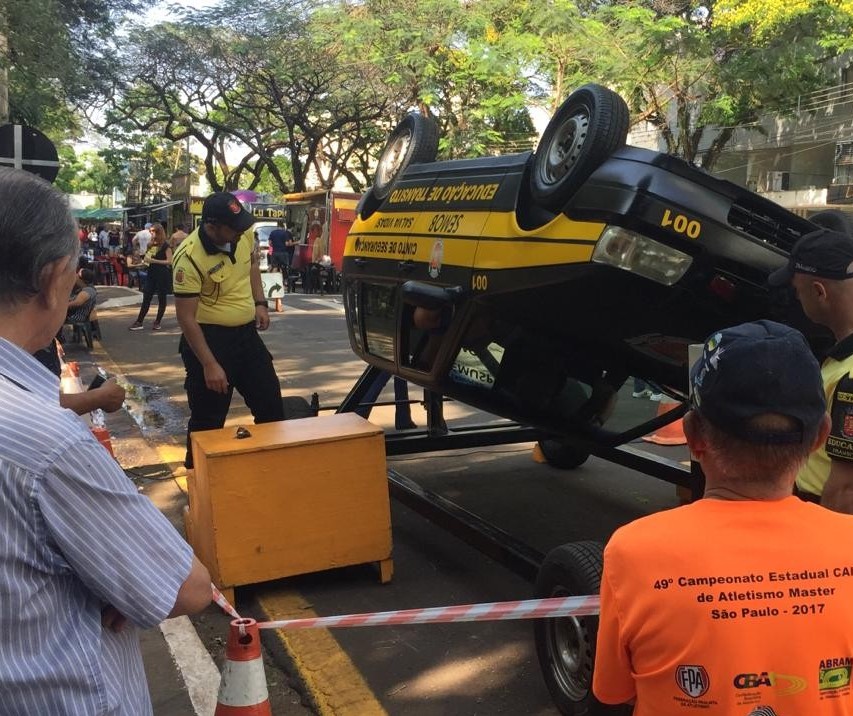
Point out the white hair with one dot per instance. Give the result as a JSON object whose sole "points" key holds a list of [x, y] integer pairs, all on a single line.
{"points": [[36, 229]]}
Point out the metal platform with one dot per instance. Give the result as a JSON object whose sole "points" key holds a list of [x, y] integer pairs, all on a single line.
{"points": [[487, 538]]}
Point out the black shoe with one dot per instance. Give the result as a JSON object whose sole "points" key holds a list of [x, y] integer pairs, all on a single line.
{"points": [[408, 425]]}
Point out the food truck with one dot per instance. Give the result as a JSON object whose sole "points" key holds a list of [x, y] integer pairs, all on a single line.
{"points": [[319, 221], [324, 215]]}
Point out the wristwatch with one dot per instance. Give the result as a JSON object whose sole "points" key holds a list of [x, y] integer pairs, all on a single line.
{"points": [[262, 303]]}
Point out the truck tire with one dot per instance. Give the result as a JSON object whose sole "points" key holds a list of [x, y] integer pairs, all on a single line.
{"points": [[413, 141], [588, 127], [562, 454], [565, 646]]}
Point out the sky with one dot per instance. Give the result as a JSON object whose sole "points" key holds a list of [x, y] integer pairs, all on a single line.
{"points": [[161, 11]]}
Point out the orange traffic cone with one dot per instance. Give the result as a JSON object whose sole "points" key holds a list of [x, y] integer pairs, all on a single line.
{"points": [[103, 436], [243, 689], [672, 434]]}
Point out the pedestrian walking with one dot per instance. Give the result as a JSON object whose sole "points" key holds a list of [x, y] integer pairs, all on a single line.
{"points": [[220, 306], [86, 561], [158, 259]]}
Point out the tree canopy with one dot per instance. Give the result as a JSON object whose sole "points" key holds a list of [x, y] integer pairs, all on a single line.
{"points": [[301, 93], [58, 55]]}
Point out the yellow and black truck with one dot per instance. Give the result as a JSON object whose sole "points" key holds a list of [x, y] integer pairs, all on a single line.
{"points": [[533, 285]]}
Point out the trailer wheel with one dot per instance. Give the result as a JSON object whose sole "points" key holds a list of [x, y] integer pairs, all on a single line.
{"points": [[588, 127], [562, 454], [566, 646], [413, 141]]}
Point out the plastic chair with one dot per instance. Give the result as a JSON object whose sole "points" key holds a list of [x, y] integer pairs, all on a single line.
{"points": [[105, 273], [83, 329], [86, 330], [118, 271]]}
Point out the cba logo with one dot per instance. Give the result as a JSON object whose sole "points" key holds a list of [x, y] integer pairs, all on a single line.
{"points": [[834, 678], [692, 680], [752, 681], [784, 684]]}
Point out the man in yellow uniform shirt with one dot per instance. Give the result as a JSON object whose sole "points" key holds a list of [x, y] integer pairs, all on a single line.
{"points": [[820, 269], [220, 306]]}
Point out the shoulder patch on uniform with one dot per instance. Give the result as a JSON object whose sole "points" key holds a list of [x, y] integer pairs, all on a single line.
{"points": [[179, 276]]}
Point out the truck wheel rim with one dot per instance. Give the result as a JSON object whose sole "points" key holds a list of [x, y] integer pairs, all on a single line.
{"points": [[570, 654], [392, 158], [565, 147]]}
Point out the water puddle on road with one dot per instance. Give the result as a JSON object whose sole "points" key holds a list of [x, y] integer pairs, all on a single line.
{"points": [[152, 410]]}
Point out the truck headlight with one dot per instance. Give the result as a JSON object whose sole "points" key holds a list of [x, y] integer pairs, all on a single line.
{"points": [[639, 254]]}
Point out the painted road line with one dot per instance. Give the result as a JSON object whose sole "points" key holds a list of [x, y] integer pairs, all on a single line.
{"points": [[330, 678], [193, 660]]}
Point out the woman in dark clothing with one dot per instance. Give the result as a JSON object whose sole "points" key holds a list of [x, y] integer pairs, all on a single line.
{"points": [[158, 257]]}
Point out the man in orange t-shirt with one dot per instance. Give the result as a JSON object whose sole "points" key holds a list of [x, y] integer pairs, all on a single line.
{"points": [[742, 602]]}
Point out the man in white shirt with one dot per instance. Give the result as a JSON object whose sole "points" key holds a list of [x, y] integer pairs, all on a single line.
{"points": [[141, 239]]}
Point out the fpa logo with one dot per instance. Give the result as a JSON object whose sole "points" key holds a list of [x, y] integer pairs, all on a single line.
{"points": [[692, 679]]}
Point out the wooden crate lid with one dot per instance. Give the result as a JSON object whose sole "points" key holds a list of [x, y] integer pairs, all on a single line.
{"points": [[270, 436]]}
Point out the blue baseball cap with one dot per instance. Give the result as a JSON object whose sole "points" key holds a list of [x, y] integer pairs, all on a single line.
{"points": [[754, 369]]}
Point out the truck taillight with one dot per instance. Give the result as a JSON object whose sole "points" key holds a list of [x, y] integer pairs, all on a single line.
{"points": [[639, 254]]}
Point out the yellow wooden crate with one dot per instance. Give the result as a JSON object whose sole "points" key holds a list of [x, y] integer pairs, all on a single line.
{"points": [[296, 496]]}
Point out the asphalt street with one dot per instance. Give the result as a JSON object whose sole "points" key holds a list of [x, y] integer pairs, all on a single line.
{"points": [[474, 668]]}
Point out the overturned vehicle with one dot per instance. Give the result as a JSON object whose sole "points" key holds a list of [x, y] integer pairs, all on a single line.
{"points": [[533, 285]]}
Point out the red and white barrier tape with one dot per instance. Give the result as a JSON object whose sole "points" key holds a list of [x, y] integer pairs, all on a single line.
{"points": [[490, 611], [223, 603]]}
